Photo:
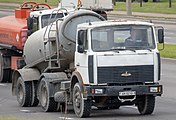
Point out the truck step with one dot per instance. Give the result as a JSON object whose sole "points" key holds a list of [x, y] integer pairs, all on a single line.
{"points": [[52, 39]]}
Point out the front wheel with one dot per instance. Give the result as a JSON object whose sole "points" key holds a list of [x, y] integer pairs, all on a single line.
{"points": [[146, 105], [82, 107]]}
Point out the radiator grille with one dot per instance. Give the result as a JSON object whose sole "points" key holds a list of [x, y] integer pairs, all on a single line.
{"points": [[114, 74]]}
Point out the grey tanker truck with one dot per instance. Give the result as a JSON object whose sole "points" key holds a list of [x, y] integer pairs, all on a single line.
{"points": [[86, 61]]}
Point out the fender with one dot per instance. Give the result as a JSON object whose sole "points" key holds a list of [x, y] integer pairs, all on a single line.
{"points": [[27, 74], [76, 77]]}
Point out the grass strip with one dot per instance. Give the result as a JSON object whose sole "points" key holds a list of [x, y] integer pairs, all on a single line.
{"points": [[169, 51]]}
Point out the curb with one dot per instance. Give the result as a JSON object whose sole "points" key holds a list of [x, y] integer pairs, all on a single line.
{"points": [[157, 20], [172, 59], [7, 10]]}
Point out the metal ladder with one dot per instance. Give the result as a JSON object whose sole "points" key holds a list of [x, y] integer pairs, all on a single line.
{"points": [[48, 40]]}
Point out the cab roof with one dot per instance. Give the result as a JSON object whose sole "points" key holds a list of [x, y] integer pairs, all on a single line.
{"points": [[113, 22], [46, 12]]}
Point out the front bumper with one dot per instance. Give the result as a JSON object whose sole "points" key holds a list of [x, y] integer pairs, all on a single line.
{"points": [[115, 90]]}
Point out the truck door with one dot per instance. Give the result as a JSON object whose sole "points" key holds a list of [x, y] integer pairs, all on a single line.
{"points": [[81, 56]]}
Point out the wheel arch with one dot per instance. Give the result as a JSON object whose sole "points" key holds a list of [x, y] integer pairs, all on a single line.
{"points": [[27, 74], [76, 77]]}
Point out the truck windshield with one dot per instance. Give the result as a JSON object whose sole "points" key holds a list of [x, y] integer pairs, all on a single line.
{"points": [[46, 18], [134, 37]]}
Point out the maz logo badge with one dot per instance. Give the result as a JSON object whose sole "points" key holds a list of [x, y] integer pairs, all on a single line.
{"points": [[126, 74]]}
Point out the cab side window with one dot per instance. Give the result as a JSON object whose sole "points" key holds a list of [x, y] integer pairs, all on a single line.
{"points": [[35, 24]]}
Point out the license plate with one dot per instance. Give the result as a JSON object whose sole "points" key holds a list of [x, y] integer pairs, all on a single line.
{"points": [[127, 93]]}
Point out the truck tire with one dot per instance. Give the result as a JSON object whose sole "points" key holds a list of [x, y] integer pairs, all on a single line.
{"points": [[82, 108], [5, 74], [24, 92], [35, 100], [47, 103], [146, 105]]}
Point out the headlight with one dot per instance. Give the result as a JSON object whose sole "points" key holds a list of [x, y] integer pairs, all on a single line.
{"points": [[154, 89]]}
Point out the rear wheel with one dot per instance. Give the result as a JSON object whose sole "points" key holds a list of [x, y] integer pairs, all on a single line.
{"points": [[47, 103], [35, 100], [24, 92], [82, 107], [146, 105], [5, 74]]}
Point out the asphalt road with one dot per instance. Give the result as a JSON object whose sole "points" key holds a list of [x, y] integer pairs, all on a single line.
{"points": [[5, 13], [164, 110], [165, 105]]}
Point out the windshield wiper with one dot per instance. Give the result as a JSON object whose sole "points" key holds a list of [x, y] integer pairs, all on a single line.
{"points": [[146, 48], [122, 49]]}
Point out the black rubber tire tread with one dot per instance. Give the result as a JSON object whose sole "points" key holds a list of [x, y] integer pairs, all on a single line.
{"points": [[86, 104], [8, 75], [1, 68], [146, 105], [27, 93], [5, 74], [51, 105], [35, 100]]}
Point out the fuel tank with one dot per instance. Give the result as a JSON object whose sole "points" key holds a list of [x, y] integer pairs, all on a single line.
{"points": [[13, 32]]}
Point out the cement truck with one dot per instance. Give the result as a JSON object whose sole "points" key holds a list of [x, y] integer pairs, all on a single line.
{"points": [[86, 61]]}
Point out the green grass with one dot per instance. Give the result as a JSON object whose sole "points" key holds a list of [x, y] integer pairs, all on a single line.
{"points": [[50, 2], [9, 118], [169, 51], [8, 7], [149, 7]]}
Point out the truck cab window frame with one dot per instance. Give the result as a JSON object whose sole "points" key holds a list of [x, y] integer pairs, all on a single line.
{"points": [[122, 37]]}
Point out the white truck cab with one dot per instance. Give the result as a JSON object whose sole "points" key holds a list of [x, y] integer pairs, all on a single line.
{"points": [[119, 62], [120, 44]]}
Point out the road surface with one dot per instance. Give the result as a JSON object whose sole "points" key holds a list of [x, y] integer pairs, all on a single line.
{"points": [[165, 105]]}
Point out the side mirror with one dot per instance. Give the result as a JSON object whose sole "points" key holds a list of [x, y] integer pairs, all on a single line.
{"points": [[29, 23], [82, 35], [161, 35]]}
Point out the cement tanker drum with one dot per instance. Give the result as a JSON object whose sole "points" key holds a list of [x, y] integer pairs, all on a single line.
{"points": [[36, 50]]}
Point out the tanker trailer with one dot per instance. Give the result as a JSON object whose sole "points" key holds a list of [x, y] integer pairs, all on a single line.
{"points": [[49, 56]]}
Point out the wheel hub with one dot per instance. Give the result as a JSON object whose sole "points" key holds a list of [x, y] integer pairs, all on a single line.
{"points": [[20, 92], [44, 96]]}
